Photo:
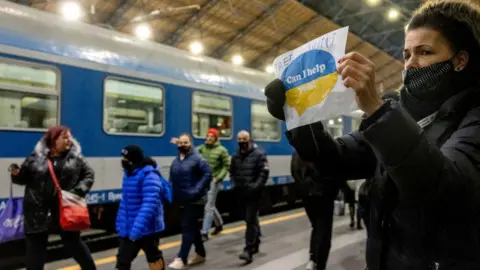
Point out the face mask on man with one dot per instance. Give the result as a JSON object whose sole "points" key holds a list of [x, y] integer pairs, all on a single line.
{"points": [[243, 145], [183, 149], [127, 165]]}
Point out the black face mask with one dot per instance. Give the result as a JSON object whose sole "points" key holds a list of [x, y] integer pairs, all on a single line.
{"points": [[183, 149], [127, 165], [427, 88], [243, 145], [430, 83]]}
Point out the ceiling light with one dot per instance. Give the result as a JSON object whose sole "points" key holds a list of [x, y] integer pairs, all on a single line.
{"points": [[269, 69], [143, 31], [71, 11], [340, 120], [331, 122], [393, 14], [196, 47], [237, 59], [373, 3]]}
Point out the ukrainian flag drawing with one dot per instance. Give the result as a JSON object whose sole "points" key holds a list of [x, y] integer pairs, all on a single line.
{"points": [[308, 79]]}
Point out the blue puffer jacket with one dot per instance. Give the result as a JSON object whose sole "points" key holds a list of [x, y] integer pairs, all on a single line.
{"points": [[141, 208], [190, 177]]}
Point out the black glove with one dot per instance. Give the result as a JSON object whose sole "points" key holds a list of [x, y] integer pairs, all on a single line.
{"points": [[275, 93]]}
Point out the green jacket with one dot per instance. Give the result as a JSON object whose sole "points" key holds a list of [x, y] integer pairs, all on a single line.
{"points": [[218, 159]]}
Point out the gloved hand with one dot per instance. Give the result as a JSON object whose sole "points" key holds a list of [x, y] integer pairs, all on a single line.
{"points": [[275, 93]]}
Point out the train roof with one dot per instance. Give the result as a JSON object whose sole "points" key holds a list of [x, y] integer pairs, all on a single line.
{"points": [[42, 35]]}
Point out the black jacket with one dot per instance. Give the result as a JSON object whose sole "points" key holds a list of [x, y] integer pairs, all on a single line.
{"points": [[249, 171], [73, 173], [310, 182], [425, 192]]}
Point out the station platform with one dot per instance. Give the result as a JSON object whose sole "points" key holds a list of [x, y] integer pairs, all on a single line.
{"points": [[285, 240]]}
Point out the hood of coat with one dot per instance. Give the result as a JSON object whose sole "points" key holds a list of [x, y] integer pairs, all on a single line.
{"points": [[42, 150]]}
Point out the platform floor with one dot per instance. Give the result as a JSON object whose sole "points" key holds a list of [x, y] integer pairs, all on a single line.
{"points": [[284, 246]]}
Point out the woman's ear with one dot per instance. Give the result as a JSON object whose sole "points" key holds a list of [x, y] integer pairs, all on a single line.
{"points": [[275, 93], [460, 61]]}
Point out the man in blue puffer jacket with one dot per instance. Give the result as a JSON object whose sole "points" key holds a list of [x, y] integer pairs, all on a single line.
{"points": [[140, 215]]}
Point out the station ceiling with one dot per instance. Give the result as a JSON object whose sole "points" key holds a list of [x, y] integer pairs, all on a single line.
{"points": [[260, 30]]}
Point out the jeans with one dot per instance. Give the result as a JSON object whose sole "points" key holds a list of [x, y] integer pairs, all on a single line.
{"points": [[36, 245], [128, 251], [211, 212], [320, 213], [191, 232]]}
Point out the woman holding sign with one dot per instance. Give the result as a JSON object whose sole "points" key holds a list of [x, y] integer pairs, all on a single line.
{"points": [[423, 152]]}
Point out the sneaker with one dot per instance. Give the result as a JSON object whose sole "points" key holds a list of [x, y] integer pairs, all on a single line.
{"points": [[204, 237], [177, 264], [196, 259], [246, 256], [311, 266], [217, 230]]}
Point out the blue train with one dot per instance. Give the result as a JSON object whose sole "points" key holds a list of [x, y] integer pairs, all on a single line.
{"points": [[114, 90]]}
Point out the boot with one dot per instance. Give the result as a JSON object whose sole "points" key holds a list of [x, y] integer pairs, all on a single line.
{"points": [[158, 265], [246, 256]]}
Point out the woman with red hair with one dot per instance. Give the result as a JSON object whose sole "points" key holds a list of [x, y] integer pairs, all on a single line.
{"points": [[41, 209]]}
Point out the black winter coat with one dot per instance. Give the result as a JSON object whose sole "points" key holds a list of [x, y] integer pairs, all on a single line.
{"points": [[249, 171], [310, 182], [73, 173], [425, 191]]}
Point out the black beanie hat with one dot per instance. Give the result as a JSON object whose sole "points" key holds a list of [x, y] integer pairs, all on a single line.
{"points": [[133, 153]]}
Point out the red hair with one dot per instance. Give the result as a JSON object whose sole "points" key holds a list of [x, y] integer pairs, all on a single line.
{"points": [[53, 133]]}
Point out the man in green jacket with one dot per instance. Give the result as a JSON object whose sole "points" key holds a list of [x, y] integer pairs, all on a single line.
{"points": [[219, 161]]}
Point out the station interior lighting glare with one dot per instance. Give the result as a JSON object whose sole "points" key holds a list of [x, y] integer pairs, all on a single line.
{"points": [[143, 31], [196, 47], [373, 3], [393, 14], [269, 69], [71, 11], [340, 120], [331, 122], [237, 59]]}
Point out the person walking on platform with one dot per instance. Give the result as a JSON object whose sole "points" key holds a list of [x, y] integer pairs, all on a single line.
{"points": [[422, 153], [349, 198], [140, 216], [318, 196], [40, 207], [191, 177], [249, 172], [219, 161]]}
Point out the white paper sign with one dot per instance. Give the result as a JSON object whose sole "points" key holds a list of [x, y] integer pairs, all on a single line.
{"points": [[314, 89]]}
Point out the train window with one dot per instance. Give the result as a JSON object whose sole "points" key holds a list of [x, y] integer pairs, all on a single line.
{"points": [[29, 95], [132, 108], [264, 126], [211, 111]]}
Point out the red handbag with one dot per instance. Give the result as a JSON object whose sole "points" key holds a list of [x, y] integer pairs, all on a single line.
{"points": [[73, 210]]}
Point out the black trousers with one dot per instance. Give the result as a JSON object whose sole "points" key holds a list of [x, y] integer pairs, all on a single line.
{"points": [[250, 205], [36, 245], [128, 250], [320, 213], [191, 231]]}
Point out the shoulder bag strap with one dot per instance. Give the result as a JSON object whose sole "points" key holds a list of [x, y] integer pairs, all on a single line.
{"points": [[54, 178]]}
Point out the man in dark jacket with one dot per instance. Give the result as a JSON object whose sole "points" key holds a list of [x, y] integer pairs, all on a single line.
{"points": [[249, 172], [318, 197]]}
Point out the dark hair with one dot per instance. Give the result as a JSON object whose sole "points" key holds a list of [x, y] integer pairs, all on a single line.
{"points": [[459, 34]]}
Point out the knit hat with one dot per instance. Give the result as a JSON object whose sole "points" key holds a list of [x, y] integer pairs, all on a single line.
{"points": [[53, 133], [134, 154], [213, 131]]}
